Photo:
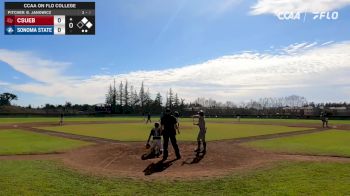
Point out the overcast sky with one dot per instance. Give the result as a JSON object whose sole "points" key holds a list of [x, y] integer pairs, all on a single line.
{"points": [[228, 50]]}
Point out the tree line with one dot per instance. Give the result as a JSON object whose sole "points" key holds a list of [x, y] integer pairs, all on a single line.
{"points": [[292, 106], [267, 102], [126, 99]]}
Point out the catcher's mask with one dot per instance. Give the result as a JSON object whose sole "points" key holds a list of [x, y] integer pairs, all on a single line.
{"points": [[156, 125], [201, 113]]}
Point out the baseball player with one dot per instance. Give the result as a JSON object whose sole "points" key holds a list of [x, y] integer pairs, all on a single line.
{"points": [[149, 118], [61, 119], [156, 143], [177, 116], [201, 133], [324, 119]]}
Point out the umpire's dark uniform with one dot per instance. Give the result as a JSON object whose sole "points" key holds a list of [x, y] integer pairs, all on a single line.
{"points": [[169, 132]]}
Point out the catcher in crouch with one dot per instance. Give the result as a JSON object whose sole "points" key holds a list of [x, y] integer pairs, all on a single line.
{"points": [[201, 133], [156, 144]]}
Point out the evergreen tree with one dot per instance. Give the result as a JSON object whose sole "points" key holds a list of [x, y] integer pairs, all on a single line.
{"points": [[109, 96], [148, 100], [182, 106], [157, 104], [142, 97], [114, 98], [121, 94], [171, 99], [126, 94], [176, 102], [167, 100], [134, 99], [158, 99]]}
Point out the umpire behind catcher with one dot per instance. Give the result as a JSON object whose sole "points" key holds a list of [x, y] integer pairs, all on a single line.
{"points": [[169, 127]]}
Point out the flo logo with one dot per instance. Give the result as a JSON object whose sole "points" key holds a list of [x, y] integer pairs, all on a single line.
{"points": [[326, 16]]}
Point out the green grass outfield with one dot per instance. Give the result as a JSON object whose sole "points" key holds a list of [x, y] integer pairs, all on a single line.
{"points": [[6, 120], [140, 131], [333, 142], [23, 142], [294, 178]]}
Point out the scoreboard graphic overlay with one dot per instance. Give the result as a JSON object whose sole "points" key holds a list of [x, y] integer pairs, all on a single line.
{"points": [[49, 18]]}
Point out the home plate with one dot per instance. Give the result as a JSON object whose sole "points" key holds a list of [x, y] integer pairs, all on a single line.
{"points": [[15, 126]]}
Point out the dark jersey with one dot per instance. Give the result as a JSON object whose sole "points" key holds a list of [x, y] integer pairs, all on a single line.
{"points": [[169, 122], [155, 133]]}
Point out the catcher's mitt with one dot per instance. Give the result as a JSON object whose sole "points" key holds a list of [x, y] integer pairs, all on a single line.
{"points": [[148, 146]]}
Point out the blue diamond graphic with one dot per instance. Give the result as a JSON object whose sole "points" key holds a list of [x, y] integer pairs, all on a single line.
{"points": [[9, 30]]}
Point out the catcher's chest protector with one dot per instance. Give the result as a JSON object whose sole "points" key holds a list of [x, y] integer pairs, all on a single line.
{"points": [[156, 134]]}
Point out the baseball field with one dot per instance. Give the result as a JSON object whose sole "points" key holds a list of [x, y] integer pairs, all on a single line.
{"points": [[102, 156]]}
